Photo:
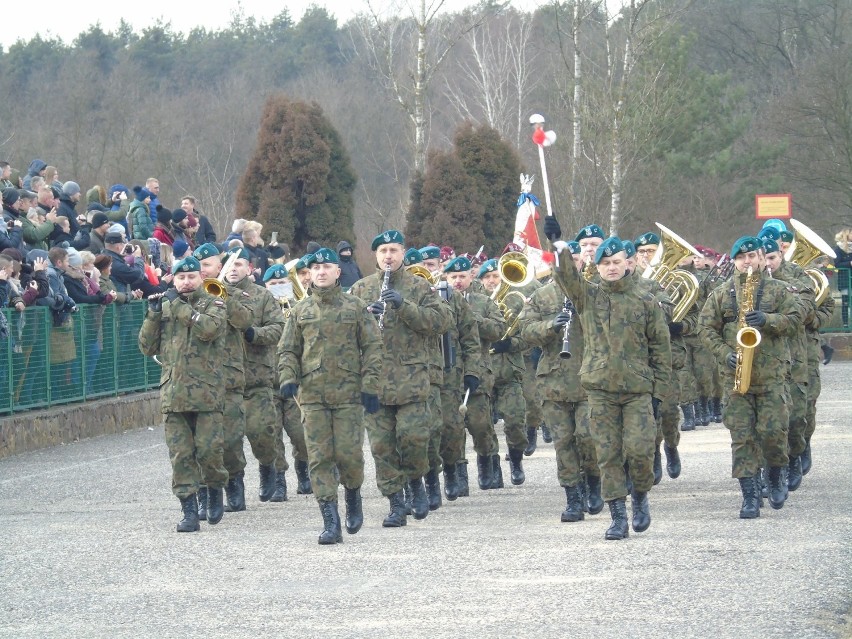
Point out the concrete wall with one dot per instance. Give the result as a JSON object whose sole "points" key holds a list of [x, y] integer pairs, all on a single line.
{"points": [[65, 424]]}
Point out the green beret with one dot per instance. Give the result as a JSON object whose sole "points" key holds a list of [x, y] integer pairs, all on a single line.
{"points": [[786, 236], [240, 252], [487, 267], [745, 244], [574, 247], [187, 265], [205, 250], [770, 245], [769, 233], [323, 256], [388, 237], [458, 265], [592, 230], [629, 248], [302, 263], [610, 247], [275, 272], [431, 252], [412, 256], [646, 238], [775, 223]]}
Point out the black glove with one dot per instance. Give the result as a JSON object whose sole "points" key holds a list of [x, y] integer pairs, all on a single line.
{"points": [[675, 329], [655, 405], [171, 294], [755, 318], [502, 346], [535, 356], [552, 230], [155, 304], [288, 390], [392, 297], [370, 402], [471, 383], [249, 334], [561, 320], [376, 308], [732, 361]]}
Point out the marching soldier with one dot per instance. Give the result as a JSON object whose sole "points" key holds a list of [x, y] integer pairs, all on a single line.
{"points": [[330, 352], [704, 367], [411, 316], [184, 327]]}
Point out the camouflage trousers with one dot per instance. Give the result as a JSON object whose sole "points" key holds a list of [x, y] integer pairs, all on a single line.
{"points": [[532, 398], [436, 427], [399, 442], [334, 436], [758, 426], [705, 370], [233, 429], [814, 389], [509, 406], [667, 424], [195, 445], [290, 423], [572, 440], [686, 392], [798, 418], [623, 429], [480, 425], [452, 432], [261, 421]]}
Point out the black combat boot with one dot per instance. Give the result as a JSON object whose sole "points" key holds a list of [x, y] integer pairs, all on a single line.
{"points": [[419, 501], [806, 458], [672, 461], [189, 523], [658, 465], [688, 417], [762, 484], [574, 508], [751, 505], [215, 509], [641, 511], [461, 473], [202, 503], [280, 493], [303, 487], [777, 487], [451, 482], [406, 499], [584, 495], [496, 472], [794, 472], [596, 502], [716, 409], [516, 457], [532, 440], [235, 492], [827, 354], [545, 434], [433, 489], [354, 511], [396, 516], [483, 465], [702, 413], [331, 533], [618, 511], [267, 482]]}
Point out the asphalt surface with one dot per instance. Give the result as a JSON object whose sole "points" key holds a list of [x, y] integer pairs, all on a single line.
{"points": [[88, 549]]}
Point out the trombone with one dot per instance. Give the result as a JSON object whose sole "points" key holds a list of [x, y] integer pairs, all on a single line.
{"points": [[215, 286]]}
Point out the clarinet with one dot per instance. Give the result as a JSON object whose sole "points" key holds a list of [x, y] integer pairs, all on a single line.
{"points": [[567, 307], [385, 285]]}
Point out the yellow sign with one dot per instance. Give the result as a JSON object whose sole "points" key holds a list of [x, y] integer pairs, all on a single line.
{"points": [[779, 205]]}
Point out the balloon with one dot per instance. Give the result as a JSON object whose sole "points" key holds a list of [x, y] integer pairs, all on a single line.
{"points": [[549, 138], [538, 136]]}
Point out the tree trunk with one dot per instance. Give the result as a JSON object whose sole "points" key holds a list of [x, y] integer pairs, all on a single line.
{"points": [[420, 93]]}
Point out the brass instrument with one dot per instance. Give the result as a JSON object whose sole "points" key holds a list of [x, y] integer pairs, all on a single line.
{"points": [[681, 286], [515, 272], [385, 286], [419, 270], [215, 286], [748, 337], [808, 246], [296, 292], [589, 270]]}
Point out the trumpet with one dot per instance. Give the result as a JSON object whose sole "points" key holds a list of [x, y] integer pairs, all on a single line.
{"points": [[567, 307], [215, 286]]}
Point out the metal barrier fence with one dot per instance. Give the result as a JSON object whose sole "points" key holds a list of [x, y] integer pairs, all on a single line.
{"points": [[840, 281], [95, 354]]}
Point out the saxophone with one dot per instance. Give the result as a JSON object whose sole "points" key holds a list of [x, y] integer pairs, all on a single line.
{"points": [[748, 337]]}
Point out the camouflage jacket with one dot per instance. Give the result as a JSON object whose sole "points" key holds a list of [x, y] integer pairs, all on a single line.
{"points": [[491, 327], [268, 324], [802, 288], [628, 349], [186, 337], [233, 353], [822, 317], [509, 366], [409, 334], [719, 321], [558, 379], [332, 348], [464, 342]]}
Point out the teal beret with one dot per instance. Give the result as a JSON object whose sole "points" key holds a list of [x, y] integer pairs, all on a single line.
{"points": [[431, 253], [786, 236], [574, 247], [302, 263], [592, 230], [610, 247], [388, 237], [777, 224], [769, 233], [275, 272], [240, 252], [412, 256], [187, 265], [324, 255], [770, 245], [458, 264], [645, 239], [206, 250], [745, 244], [487, 267], [629, 248]]}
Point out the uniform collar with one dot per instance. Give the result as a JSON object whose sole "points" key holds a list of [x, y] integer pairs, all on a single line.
{"points": [[325, 295]]}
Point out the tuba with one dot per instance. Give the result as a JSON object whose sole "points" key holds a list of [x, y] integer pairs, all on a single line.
{"points": [[681, 286], [215, 286], [748, 337], [296, 292], [419, 270], [806, 247]]}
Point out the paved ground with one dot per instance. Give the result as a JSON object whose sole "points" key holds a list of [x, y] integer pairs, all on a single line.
{"points": [[87, 549]]}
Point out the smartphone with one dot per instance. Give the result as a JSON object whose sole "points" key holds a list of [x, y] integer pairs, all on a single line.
{"points": [[274, 239]]}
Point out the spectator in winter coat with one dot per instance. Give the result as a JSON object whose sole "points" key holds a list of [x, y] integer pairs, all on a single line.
{"points": [[139, 220], [163, 227], [37, 167], [236, 231], [68, 200], [153, 187], [349, 271], [100, 225], [205, 232]]}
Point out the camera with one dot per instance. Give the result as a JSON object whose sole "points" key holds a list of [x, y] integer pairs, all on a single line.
{"points": [[128, 249]]}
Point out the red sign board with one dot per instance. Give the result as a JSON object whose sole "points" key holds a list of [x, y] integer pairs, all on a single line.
{"points": [[778, 205]]}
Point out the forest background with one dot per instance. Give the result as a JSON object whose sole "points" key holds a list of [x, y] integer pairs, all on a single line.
{"points": [[673, 111]]}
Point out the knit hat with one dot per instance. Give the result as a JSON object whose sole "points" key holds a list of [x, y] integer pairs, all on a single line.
{"points": [[113, 238], [178, 215], [70, 188], [179, 249], [142, 193], [74, 257], [164, 215], [99, 219], [10, 196], [313, 247], [116, 228]]}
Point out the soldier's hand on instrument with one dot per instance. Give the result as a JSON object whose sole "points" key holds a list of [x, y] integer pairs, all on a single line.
{"points": [[392, 297], [655, 406], [732, 361], [675, 329], [502, 346], [755, 318], [376, 308], [155, 303], [249, 334], [552, 230], [561, 320], [471, 383], [288, 391], [171, 294], [370, 402]]}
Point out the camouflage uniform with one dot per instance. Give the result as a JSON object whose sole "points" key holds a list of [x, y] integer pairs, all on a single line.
{"points": [[332, 349], [399, 432], [532, 398], [508, 394], [187, 337], [232, 358], [822, 317], [704, 367]]}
